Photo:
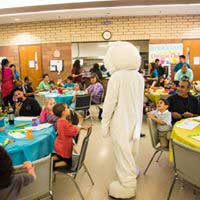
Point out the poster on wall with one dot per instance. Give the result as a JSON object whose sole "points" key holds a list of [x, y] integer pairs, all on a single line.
{"points": [[56, 65], [166, 53]]}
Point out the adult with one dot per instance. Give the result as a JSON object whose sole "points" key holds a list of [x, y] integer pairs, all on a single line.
{"points": [[17, 76], [7, 83], [183, 104], [96, 90], [77, 72], [122, 114], [161, 70], [27, 87], [184, 72], [152, 80], [95, 69], [44, 84], [181, 63], [25, 106]]}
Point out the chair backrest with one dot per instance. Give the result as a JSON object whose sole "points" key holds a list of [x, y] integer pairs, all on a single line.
{"points": [[83, 150], [83, 102], [153, 132], [186, 162], [43, 183]]}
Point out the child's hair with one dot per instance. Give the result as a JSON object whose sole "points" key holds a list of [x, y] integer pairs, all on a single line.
{"points": [[70, 78], [165, 101], [44, 75], [51, 82], [6, 168], [80, 86], [58, 109], [47, 100], [93, 75], [26, 78]]}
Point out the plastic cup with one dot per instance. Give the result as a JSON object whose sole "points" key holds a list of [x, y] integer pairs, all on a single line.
{"points": [[29, 134]]}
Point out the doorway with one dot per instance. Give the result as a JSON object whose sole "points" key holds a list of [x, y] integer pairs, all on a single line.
{"points": [[31, 63]]}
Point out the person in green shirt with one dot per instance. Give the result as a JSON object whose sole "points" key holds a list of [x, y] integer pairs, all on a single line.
{"points": [[44, 84], [184, 72]]}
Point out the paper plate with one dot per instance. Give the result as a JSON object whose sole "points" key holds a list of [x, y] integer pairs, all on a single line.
{"points": [[24, 118]]}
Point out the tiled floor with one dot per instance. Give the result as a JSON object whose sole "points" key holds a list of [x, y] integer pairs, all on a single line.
{"points": [[100, 162]]}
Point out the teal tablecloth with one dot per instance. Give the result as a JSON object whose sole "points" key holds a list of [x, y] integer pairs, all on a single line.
{"points": [[22, 150]]}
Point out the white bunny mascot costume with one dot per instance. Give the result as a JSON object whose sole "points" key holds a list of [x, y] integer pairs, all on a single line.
{"points": [[122, 114]]}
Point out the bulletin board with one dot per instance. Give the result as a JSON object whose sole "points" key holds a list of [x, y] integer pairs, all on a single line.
{"points": [[166, 53]]}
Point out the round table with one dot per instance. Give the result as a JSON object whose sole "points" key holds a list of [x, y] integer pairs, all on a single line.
{"points": [[185, 136], [156, 94], [59, 98], [22, 150]]}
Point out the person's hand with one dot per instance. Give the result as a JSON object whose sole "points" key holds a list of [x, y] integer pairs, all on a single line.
{"points": [[150, 115], [176, 115], [18, 106], [187, 115], [27, 165], [86, 127], [76, 93]]}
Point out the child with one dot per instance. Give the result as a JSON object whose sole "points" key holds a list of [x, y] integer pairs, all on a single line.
{"points": [[77, 91], [69, 83], [47, 112], [52, 85], [96, 91], [66, 131], [10, 183], [162, 117]]}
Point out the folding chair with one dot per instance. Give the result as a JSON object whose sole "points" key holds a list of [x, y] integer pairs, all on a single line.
{"points": [[186, 165], [83, 103], [154, 141], [42, 186], [78, 163]]}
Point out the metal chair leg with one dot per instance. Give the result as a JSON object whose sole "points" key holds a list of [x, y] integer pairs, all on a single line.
{"points": [[88, 174], [77, 187], [150, 162], [171, 188], [159, 156], [51, 195]]}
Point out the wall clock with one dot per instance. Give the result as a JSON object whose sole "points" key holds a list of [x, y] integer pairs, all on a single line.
{"points": [[106, 35]]}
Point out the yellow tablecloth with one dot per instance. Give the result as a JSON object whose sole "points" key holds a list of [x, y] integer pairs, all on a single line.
{"points": [[155, 97], [184, 136]]}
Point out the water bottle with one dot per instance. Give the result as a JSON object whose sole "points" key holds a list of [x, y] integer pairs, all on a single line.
{"points": [[11, 115]]}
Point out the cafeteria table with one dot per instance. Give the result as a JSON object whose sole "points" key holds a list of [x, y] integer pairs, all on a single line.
{"points": [[23, 149]]}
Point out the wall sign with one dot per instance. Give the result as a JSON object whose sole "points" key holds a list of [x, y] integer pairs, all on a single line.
{"points": [[56, 65], [166, 53]]}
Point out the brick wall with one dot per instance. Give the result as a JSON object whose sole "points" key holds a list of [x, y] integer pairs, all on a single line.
{"points": [[82, 30]]}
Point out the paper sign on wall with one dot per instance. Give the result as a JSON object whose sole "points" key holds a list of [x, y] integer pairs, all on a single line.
{"points": [[196, 60], [166, 53], [31, 63]]}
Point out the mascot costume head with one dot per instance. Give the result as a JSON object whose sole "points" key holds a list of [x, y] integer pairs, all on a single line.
{"points": [[122, 114]]}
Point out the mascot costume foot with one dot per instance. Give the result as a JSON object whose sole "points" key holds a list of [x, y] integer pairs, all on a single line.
{"points": [[122, 115]]}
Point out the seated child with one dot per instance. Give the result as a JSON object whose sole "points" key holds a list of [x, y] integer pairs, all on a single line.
{"points": [[96, 91], [69, 83], [77, 91], [10, 183], [66, 131], [52, 85], [162, 117], [47, 112]]}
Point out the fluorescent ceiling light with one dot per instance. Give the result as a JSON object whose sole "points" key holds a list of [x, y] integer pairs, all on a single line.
{"points": [[103, 8], [28, 3]]}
